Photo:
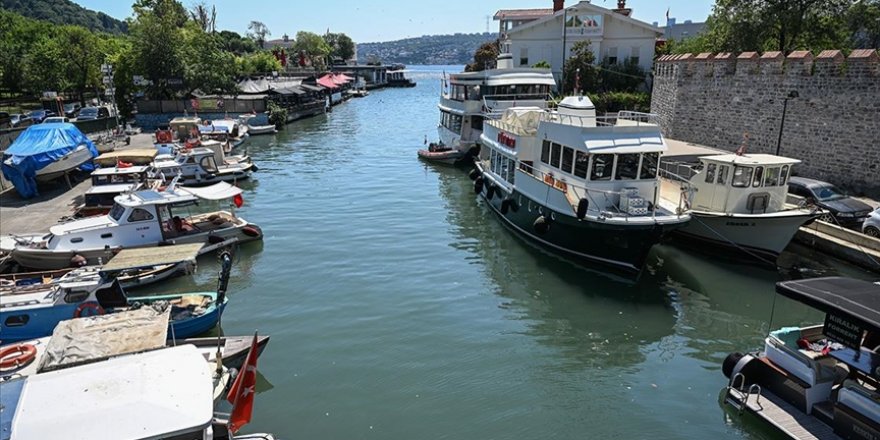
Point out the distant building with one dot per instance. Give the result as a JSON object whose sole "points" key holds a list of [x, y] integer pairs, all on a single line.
{"points": [[285, 41], [534, 35], [681, 31]]}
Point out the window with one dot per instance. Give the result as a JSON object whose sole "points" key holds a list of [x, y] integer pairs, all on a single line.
{"points": [[477, 123], [771, 177], [545, 152], [511, 168], [75, 296], [116, 212], [722, 175], [17, 320], [783, 175], [139, 215], [567, 159], [742, 176], [524, 56], [76, 240], [649, 166], [581, 163], [602, 165], [107, 235], [627, 166], [612, 55], [554, 156], [759, 174], [209, 164], [710, 173], [634, 54]]}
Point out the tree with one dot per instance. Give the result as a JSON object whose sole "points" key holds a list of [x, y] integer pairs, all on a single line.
{"points": [[312, 46], [82, 58], [863, 24], [171, 11], [159, 52], [258, 32], [261, 62], [232, 42], [40, 70], [341, 46], [206, 18], [485, 57], [543, 64], [207, 67], [580, 69]]}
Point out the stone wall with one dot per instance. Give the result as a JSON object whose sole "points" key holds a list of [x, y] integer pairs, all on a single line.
{"points": [[832, 125]]}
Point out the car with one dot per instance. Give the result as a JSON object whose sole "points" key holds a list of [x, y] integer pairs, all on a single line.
{"points": [[90, 113], [841, 209], [20, 120], [871, 226], [56, 120], [39, 115], [71, 109]]}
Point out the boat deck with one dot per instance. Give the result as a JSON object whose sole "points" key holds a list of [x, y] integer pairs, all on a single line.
{"points": [[785, 417]]}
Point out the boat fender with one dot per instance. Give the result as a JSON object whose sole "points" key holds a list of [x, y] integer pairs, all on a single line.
{"points": [[250, 231], [17, 355], [478, 185], [81, 309], [541, 225], [78, 261], [490, 191], [474, 174], [583, 205], [474, 151], [254, 168], [505, 205]]}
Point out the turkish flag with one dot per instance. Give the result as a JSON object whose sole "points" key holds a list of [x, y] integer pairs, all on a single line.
{"points": [[241, 394], [238, 200]]}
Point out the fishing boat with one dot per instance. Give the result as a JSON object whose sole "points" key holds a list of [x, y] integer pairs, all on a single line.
{"points": [[139, 219], [582, 185], [203, 165], [820, 381], [441, 154], [738, 202]]}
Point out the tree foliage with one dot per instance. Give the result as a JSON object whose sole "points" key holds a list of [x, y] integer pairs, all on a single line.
{"points": [[312, 47], [580, 69], [258, 32], [257, 63], [341, 46], [485, 57], [65, 12], [205, 17]]}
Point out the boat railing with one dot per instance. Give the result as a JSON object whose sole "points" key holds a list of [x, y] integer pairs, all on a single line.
{"points": [[621, 119], [494, 105]]}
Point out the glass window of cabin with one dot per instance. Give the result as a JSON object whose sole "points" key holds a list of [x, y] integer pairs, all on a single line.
{"points": [[742, 177], [567, 159], [581, 163], [456, 123], [722, 175], [116, 211], [477, 123], [503, 165], [139, 215], [602, 166], [545, 152], [649, 166], [771, 177], [208, 164], [783, 175], [627, 166], [759, 175], [555, 152], [710, 173], [511, 166]]}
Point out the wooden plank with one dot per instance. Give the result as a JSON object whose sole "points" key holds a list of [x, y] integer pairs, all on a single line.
{"points": [[785, 417]]}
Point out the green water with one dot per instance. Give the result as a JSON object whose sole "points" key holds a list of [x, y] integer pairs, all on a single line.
{"points": [[399, 308]]}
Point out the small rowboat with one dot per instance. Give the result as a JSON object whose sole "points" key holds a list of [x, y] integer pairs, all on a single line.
{"points": [[261, 129], [441, 154]]}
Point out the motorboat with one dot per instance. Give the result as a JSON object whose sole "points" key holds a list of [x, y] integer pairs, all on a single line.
{"points": [[127, 157], [229, 132], [584, 186], [440, 153], [254, 130], [107, 183], [204, 165], [138, 219], [738, 202], [819, 381]]}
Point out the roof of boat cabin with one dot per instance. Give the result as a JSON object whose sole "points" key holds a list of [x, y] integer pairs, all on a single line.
{"points": [[752, 159], [152, 197], [502, 77], [857, 299], [134, 169], [113, 188], [152, 395], [134, 152]]}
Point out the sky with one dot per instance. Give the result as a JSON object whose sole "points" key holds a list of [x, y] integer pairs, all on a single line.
{"points": [[386, 20]]}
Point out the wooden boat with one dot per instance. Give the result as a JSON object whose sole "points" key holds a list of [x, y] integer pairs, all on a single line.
{"points": [[441, 154], [261, 129]]}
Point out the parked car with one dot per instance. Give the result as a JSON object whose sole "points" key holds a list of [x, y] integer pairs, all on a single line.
{"points": [[90, 113], [842, 209], [71, 109], [872, 224], [20, 120], [56, 120], [39, 115]]}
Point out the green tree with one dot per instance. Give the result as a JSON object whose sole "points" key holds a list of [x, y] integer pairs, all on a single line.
{"points": [[485, 57], [167, 10], [257, 63], [235, 43], [204, 16], [580, 69], [341, 46], [82, 58], [207, 67], [159, 52], [626, 76], [312, 46], [40, 69], [543, 64], [258, 32]]}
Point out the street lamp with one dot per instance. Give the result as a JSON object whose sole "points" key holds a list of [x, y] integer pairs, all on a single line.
{"points": [[564, 34], [791, 95]]}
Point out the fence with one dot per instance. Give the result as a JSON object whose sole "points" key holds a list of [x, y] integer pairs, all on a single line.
{"points": [[213, 105]]}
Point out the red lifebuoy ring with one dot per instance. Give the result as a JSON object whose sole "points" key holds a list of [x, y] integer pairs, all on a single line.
{"points": [[250, 231], [163, 137], [88, 305], [16, 355]]}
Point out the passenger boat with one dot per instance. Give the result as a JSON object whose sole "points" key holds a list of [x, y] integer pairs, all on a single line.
{"points": [[203, 165], [140, 219], [581, 185], [442, 154], [821, 381], [471, 98], [738, 202]]}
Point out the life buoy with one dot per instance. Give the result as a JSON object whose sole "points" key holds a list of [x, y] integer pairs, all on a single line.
{"points": [[88, 305], [16, 355], [250, 231], [163, 137]]}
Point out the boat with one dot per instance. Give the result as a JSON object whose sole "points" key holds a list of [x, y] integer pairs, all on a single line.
{"points": [[441, 154], [137, 220], [134, 156], [738, 202], [165, 393], [109, 182], [582, 185], [203, 165], [44, 152], [261, 129], [820, 381], [229, 132], [469, 99]]}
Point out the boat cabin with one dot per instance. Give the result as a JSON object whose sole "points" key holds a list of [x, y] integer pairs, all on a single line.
{"points": [[197, 163], [184, 126], [117, 175], [744, 184]]}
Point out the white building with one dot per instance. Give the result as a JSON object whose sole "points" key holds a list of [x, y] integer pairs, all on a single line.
{"points": [[535, 35]]}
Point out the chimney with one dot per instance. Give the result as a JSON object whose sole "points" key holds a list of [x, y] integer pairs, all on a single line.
{"points": [[286, 38], [558, 5], [622, 9]]}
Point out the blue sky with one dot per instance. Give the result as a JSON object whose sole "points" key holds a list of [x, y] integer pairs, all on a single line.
{"points": [[385, 20]]}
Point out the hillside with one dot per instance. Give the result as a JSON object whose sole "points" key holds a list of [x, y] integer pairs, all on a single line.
{"points": [[427, 49], [65, 12]]}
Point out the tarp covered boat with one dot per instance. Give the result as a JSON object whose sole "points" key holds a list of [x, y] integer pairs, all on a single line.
{"points": [[41, 146]]}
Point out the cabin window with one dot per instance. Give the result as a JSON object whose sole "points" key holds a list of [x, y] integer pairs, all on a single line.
{"points": [[722, 175], [602, 165], [771, 177], [545, 152], [581, 164], [627, 166], [17, 320], [511, 170], [759, 174], [649, 166], [76, 240], [567, 159], [107, 235], [555, 152], [139, 215], [783, 175], [116, 212], [208, 164], [710, 173], [742, 177], [76, 296]]}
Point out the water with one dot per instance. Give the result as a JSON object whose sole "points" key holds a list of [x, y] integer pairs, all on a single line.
{"points": [[399, 308]]}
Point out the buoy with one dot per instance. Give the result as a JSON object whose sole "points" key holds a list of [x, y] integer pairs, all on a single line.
{"points": [[15, 356], [729, 363], [251, 231], [490, 191], [78, 261], [583, 205], [88, 305], [541, 225], [478, 185], [505, 205]]}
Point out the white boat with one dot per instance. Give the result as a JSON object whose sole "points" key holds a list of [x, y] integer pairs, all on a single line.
{"points": [[139, 219], [261, 129], [75, 158], [231, 132], [739, 202], [204, 165], [820, 381], [581, 185], [107, 183]]}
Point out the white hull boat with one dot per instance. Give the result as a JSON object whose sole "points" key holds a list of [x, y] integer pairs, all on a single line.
{"points": [[765, 235], [261, 129], [67, 163]]}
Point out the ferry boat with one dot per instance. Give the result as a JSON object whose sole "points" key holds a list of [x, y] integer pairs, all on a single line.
{"points": [[584, 186], [738, 201], [821, 381], [472, 98]]}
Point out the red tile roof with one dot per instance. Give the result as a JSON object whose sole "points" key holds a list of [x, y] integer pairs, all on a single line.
{"points": [[514, 14]]}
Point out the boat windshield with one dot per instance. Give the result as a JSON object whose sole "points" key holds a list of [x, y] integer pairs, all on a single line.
{"points": [[117, 211], [827, 193]]}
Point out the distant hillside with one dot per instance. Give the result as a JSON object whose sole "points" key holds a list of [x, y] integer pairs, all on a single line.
{"points": [[428, 49], [65, 12]]}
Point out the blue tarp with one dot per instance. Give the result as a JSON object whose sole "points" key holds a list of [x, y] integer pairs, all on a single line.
{"points": [[36, 148]]}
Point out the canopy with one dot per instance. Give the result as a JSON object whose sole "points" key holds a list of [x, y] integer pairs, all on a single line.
{"points": [[136, 156], [345, 77], [152, 256], [857, 300], [217, 191], [38, 147], [327, 81]]}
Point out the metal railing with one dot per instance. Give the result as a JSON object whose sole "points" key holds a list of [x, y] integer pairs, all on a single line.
{"points": [[621, 119]]}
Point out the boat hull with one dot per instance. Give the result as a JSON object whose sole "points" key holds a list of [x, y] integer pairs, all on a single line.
{"points": [[449, 157], [234, 349], [65, 164], [261, 129]]}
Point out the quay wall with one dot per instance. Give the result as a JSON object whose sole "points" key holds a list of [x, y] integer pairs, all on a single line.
{"points": [[833, 125]]}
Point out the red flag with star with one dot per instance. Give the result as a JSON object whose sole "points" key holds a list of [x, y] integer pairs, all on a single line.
{"points": [[241, 394], [238, 200]]}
